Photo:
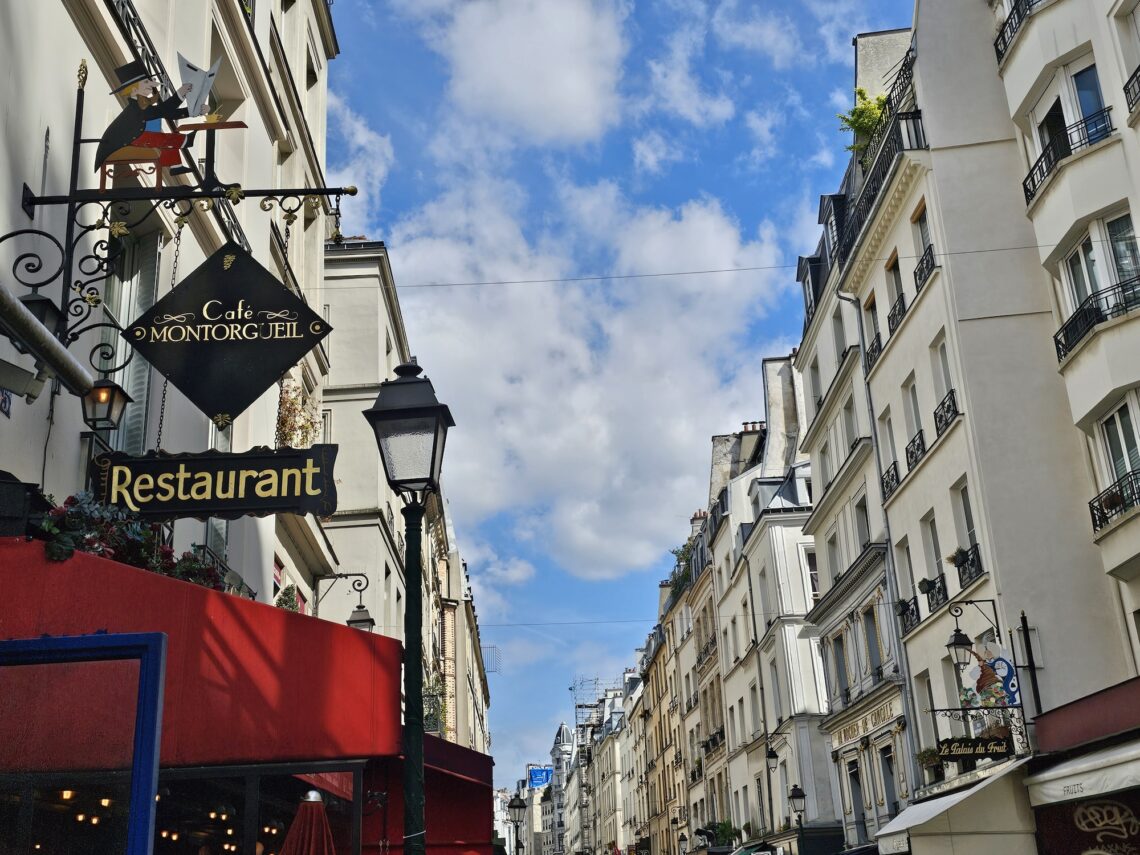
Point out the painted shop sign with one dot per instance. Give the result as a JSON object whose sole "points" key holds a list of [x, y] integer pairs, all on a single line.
{"points": [[226, 333], [878, 717], [214, 484], [963, 748]]}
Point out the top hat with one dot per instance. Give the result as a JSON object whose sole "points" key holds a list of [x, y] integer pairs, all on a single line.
{"points": [[129, 74]]}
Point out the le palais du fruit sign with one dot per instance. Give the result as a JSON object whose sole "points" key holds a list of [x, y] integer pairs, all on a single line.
{"points": [[213, 484], [226, 333]]}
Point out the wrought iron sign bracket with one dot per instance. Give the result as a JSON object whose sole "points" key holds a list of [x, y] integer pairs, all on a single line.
{"points": [[359, 583]]}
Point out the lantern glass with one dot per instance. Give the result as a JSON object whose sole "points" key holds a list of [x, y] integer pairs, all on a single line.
{"points": [[683, 844], [798, 798], [773, 760], [960, 647], [104, 404], [516, 807], [407, 448], [361, 619]]}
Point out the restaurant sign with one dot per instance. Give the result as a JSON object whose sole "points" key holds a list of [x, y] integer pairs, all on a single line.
{"points": [[214, 484], [957, 749], [226, 333]]}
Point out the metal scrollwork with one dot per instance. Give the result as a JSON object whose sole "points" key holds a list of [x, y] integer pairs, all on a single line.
{"points": [[102, 356], [29, 263]]}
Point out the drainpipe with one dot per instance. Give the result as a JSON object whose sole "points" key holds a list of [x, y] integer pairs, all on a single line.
{"points": [[763, 706], [892, 581], [52, 358]]}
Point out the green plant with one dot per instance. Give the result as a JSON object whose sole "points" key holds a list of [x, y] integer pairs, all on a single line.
{"points": [[929, 758], [958, 557], [81, 524], [725, 833], [863, 118], [287, 599], [747, 829]]}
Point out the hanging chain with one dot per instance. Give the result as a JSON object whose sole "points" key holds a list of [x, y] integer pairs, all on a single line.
{"points": [[180, 224]]}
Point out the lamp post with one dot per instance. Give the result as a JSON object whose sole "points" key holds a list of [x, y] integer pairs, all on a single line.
{"points": [[516, 810], [103, 405], [683, 844], [798, 799], [411, 428]]}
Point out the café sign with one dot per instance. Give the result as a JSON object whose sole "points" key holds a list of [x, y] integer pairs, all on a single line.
{"points": [[880, 716], [957, 749], [226, 333], [214, 484]]}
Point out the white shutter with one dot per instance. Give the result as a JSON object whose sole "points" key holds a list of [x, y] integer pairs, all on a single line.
{"points": [[139, 291]]}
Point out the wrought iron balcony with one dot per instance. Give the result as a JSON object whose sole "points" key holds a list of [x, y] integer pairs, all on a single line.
{"points": [[1020, 10], [1091, 129], [1117, 500], [915, 450], [890, 480], [897, 313], [874, 351], [898, 96], [1121, 299], [945, 412], [1132, 89], [935, 590], [924, 268], [909, 617], [970, 569], [904, 132]]}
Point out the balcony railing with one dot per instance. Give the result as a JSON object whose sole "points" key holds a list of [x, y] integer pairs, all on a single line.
{"points": [[909, 617], [897, 313], [1091, 129], [1121, 299], [897, 97], [915, 450], [874, 351], [890, 480], [924, 268], [1017, 14], [945, 412], [904, 132], [971, 567], [706, 651], [935, 590], [1116, 501], [232, 579]]}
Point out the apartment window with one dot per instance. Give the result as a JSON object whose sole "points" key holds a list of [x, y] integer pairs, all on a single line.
{"points": [[922, 227], [838, 334], [933, 548], [887, 767], [1120, 440], [849, 429], [754, 704], [777, 707], [905, 567], [887, 436], [1082, 271], [734, 737], [813, 379], [940, 366], [326, 426], [833, 556], [784, 789], [839, 651], [735, 642], [894, 276], [812, 570], [912, 411], [855, 783], [872, 317], [871, 636], [1082, 265], [127, 294], [862, 522], [966, 514], [825, 463]]}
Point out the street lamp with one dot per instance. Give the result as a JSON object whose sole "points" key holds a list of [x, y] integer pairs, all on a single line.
{"points": [[411, 428], [773, 759], [516, 810], [683, 844], [104, 403], [961, 647]]}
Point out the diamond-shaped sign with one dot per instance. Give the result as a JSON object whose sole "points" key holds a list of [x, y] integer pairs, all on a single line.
{"points": [[226, 333]]}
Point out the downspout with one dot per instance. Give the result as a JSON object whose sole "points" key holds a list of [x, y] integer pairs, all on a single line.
{"points": [[889, 558], [51, 356], [763, 706]]}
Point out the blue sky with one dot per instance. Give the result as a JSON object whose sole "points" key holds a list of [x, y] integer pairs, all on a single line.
{"points": [[505, 140]]}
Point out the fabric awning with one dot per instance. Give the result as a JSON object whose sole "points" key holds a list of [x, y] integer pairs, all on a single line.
{"points": [[747, 849], [1104, 771], [895, 835]]}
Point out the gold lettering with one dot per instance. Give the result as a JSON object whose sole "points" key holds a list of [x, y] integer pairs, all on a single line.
{"points": [[206, 310], [242, 476], [250, 331], [235, 332], [267, 485], [203, 488], [311, 469], [144, 482], [182, 476], [286, 476], [159, 334], [120, 479], [225, 494], [165, 484]]}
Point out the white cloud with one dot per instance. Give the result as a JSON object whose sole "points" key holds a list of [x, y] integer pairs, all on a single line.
{"points": [[580, 407], [841, 99], [652, 152], [367, 157], [540, 71], [773, 36], [676, 88], [837, 21], [762, 127], [824, 156]]}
